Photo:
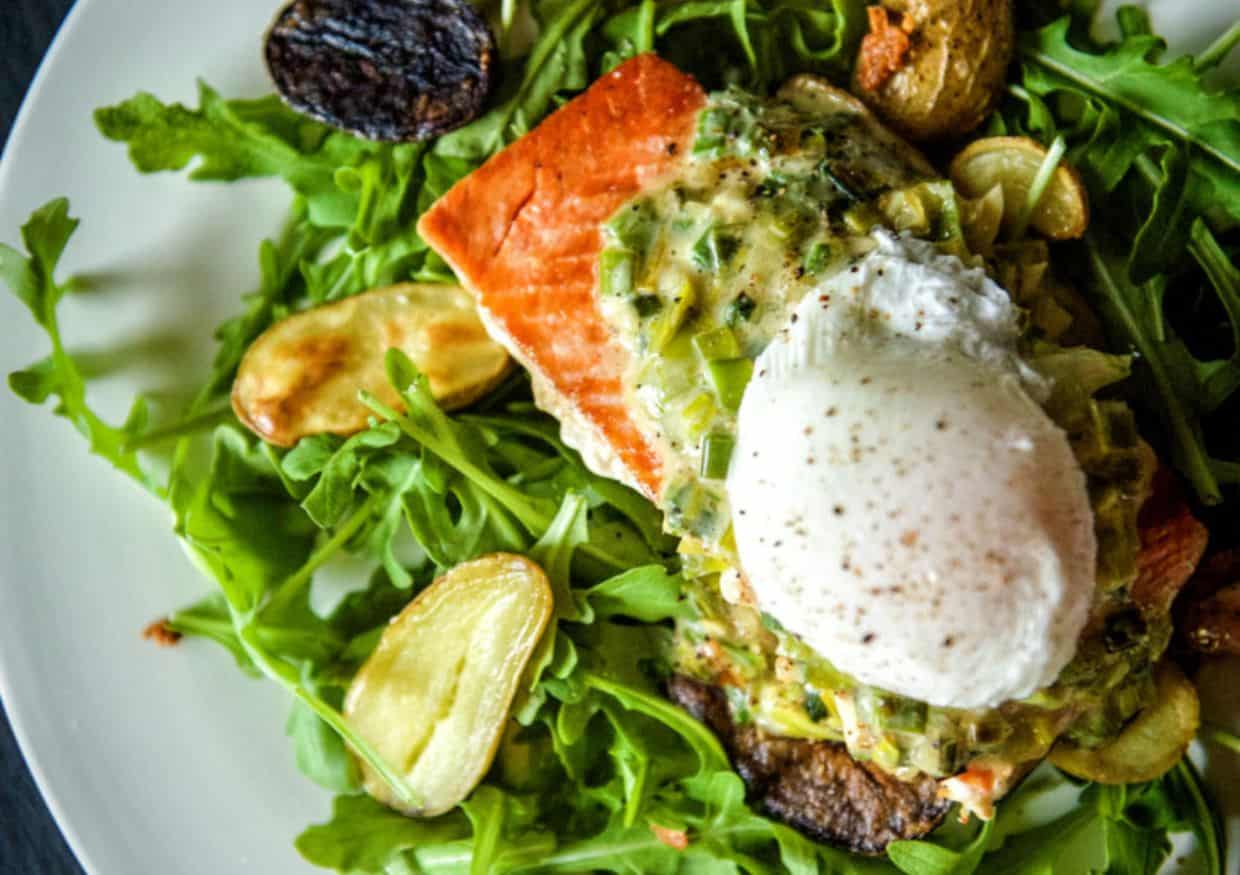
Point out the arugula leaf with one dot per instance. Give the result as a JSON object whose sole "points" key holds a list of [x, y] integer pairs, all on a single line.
{"points": [[1166, 102], [648, 594], [32, 278], [240, 139], [1175, 378], [365, 836], [927, 858], [319, 751]]}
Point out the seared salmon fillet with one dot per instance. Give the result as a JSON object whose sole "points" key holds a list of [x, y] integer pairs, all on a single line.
{"points": [[524, 232]]}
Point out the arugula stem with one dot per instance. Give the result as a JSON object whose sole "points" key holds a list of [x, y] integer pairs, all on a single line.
{"points": [[1090, 86], [297, 581], [1217, 51], [187, 425], [1222, 274], [1220, 736], [285, 675], [1192, 458], [1041, 181], [534, 519]]}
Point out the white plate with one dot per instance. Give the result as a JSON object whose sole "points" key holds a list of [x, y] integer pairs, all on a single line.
{"points": [[159, 761]]}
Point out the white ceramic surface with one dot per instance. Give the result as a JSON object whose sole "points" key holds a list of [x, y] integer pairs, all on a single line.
{"points": [[158, 761]]}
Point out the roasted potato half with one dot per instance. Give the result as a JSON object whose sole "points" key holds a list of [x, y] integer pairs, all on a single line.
{"points": [[433, 697], [1150, 745], [303, 374], [934, 69], [1012, 165]]}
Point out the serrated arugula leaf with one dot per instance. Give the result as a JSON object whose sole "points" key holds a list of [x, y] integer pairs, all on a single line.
{"points": [[240, 524], [1172, 98], [32, 278], [240, 139], [649, 594], [365, 836], [1174, 377]]}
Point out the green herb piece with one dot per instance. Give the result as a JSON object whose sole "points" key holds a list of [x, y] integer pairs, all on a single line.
{"points": [[616, 269], [739, 310], [635, 227], [716, 456], [730, 377], [647, 305], [721, 343], [820, 255], [714, 250], [815, 708], [666, 325]]}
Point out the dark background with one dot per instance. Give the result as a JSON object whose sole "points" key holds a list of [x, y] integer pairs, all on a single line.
{"points": [[30, 844]]}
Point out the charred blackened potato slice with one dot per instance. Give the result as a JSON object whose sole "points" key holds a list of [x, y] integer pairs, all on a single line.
{"points": [[433, 699], [303, 374], [389, 70]]}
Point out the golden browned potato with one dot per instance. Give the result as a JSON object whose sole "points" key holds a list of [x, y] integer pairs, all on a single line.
{"points": [[1013, 164], [934, 69], [303, 374], [1150, 745], [433, 698]]}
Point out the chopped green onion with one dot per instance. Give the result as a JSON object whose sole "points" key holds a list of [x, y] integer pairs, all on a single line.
{"points": [[647, 305], [665, 326], [712, 132], [634, 227], [718, 344], [699, 413], [615, 272], [714, 249], [716, 455], [819, 256], [739, 310], [815, 708], [904, 715], [730, 377]]}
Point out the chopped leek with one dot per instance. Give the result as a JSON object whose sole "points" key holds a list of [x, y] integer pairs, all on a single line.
{"points": [[718, 344], [716, 455], [730, 377], [615, 272]]}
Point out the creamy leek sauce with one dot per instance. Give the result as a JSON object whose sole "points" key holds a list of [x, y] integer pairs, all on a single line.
{"points": [[699, 274], [697, 277]]}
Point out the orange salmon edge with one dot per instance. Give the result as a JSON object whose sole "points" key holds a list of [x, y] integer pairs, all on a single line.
{"points": [[676, 839], [524, 231]]}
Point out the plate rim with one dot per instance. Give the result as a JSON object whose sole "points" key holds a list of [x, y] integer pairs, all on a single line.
{"points": [[33, 759], [32, 755]]}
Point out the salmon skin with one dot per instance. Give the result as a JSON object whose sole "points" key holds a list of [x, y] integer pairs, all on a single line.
{"points": [[524, 232]]}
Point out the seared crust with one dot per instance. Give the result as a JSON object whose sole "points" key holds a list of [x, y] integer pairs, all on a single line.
{"points": [[816, 786]]}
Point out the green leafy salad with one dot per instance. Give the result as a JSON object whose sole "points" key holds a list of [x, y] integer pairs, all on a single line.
{"points": [[595, 770]]}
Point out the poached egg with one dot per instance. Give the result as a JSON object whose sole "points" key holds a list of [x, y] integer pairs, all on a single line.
{"points": [[900, 499]]}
